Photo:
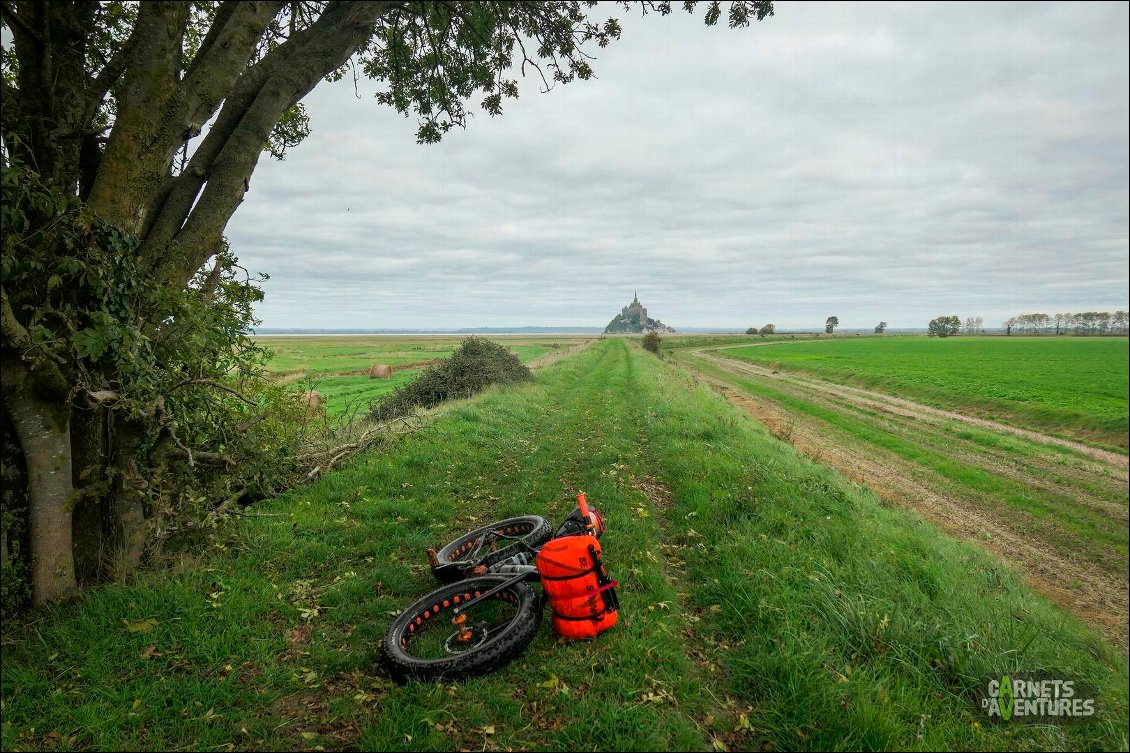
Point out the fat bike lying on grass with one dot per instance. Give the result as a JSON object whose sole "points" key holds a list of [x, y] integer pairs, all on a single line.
{"points": [[487, 611]]}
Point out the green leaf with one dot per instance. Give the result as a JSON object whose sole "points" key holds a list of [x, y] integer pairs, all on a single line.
{"points": [[89, 343]]}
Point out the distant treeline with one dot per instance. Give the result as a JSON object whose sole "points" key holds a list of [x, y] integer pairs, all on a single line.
{"points": [[1084, 323]]}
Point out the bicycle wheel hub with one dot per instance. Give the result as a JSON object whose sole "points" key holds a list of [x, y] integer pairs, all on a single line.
{"points": [[465, 639]]}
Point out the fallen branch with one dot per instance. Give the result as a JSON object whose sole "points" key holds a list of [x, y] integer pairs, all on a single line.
{"points": [[350, 448], [218, 512], [202, 456]]}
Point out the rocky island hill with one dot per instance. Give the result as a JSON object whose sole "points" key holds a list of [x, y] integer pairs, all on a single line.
{"points": [[633, 319]]}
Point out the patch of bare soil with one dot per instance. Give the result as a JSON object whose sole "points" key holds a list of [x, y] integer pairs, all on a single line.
{"points": [[1095, 595], [393, 367], [656, 492]]}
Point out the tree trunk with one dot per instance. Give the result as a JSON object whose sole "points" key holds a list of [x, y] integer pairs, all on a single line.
{"points": [[109, 516], [88, 460], [43, 429], [126, 509]]}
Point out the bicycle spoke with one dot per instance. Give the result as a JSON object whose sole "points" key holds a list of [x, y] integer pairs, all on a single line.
{"points": [[434, 634]]}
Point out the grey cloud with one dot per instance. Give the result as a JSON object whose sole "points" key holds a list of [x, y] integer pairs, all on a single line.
{"points": [[873, 161]]}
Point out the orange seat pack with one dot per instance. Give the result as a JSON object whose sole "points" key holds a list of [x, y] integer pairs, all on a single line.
{"points": [[581, 595]]}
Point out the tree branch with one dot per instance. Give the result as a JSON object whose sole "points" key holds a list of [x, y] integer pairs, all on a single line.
{"points": [[136, 158], [18, 25], [231, 40], [218, 386], [288, 73], [110, 74], [43, 365]]}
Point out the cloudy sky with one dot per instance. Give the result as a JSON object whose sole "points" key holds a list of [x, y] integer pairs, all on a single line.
{"points": [[873, 161]]}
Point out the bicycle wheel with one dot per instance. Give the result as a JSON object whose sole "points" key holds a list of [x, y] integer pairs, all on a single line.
{"points": [[490, 545], [424, 643]]}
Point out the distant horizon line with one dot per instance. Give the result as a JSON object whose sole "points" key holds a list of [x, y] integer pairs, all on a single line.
{"points": [[543, 330]]}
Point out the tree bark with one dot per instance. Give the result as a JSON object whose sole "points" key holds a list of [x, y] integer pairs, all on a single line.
{"points": [[125, 513], [43, 429], [88, 460]]}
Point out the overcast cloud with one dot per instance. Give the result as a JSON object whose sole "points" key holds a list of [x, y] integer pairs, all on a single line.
{"points": [[873, 161]]}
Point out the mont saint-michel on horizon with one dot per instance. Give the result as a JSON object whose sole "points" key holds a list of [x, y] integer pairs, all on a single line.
{"points": [[633, 319]]}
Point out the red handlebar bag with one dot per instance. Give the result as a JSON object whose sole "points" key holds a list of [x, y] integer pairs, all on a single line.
{"points": [[581, 595]]}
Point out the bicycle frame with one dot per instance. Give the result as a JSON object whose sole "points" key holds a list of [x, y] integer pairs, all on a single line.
{"points": [[521, 571]]}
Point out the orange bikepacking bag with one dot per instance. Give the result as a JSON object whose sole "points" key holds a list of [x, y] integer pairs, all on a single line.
{"points": [[581, 595]]}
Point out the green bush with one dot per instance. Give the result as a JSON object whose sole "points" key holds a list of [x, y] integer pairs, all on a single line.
{"points": [[14, 589], [651, 342], [476, 365]]}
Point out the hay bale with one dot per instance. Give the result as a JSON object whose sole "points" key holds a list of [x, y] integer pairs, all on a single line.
{"points": [[380, 371]]}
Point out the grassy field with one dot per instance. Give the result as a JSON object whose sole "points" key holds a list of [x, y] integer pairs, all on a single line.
{"points": [[337, 367], [1074, 386], [1056, 510], [768, 603]]}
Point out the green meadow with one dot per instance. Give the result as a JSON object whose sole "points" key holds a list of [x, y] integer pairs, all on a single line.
{"points": [[1073, 386], [337, 367], [768, 603]]}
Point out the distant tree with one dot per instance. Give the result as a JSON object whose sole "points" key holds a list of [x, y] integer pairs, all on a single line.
{"points": [[1121, 322], [1083, 323], [831, 323], [979, 325], [768, 329], [751, 331], [1008, 325], [944, 326], [880, 328], [651, 342]]}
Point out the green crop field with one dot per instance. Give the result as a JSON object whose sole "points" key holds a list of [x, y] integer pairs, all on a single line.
{"points": [[337, 366], [1074, 386], [768, 603], [1054, 508]]}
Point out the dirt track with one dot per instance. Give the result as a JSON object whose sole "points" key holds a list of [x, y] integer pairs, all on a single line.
{"points": [[1085, 577]]}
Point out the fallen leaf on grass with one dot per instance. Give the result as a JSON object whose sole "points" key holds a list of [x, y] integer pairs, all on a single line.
{"points": [[553, 683], [151, 652], [144, 625]]}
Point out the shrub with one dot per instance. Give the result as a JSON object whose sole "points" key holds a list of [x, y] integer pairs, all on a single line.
{"points": [[476, 365], [651, 342]]}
